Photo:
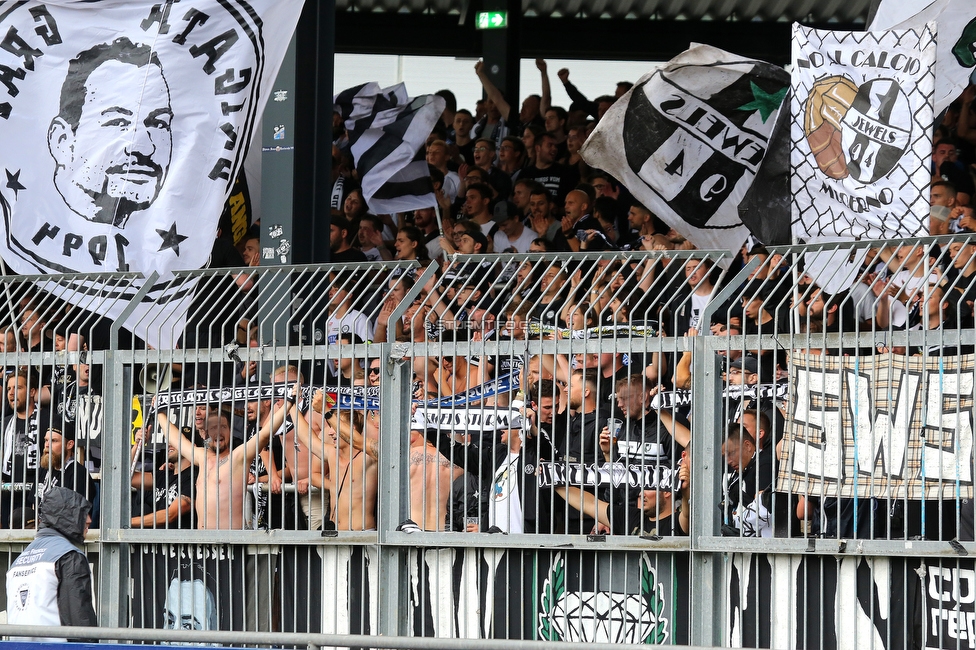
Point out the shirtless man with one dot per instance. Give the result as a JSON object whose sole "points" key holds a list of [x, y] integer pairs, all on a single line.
{"points": [[431, 478], [353, 473], [222, 479], [300, 465]]}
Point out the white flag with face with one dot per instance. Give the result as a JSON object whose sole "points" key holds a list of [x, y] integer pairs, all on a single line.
{"points": [[687, 140], [861, 133], [956, 61], [123, 125]]}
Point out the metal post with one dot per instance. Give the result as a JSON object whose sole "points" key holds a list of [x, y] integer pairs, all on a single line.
{"points": [[278, 166], [113, 558], [393, 497], [707, 584], [313, 151]]}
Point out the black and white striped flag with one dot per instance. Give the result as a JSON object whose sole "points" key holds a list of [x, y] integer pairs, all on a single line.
{"points": [[387, 131], [687, 140]]}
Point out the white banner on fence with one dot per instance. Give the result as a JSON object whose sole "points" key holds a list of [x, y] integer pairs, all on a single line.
{"points": [[861, 132], [894, 427], [123, 126]]}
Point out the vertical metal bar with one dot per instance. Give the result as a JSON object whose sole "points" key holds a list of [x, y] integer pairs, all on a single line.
{"points": [[393, 498], [278, 167], [113, 558]]}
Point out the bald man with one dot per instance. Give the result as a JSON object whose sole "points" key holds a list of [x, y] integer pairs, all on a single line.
{"points": [[577, 217]]}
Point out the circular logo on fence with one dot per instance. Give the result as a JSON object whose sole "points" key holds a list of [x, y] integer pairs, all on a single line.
{"points": [[857, 131], [122, 131]]}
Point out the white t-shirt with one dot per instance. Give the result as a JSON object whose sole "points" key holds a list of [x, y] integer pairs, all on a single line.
{"points": [[505, 502], [698, 304], [451, 184], [520, 244], [354, 321]]}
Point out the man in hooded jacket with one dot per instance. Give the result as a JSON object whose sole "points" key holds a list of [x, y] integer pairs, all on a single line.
{"points": [[50, 583]]}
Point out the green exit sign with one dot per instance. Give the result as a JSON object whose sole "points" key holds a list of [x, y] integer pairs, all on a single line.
{"points": [[491, 20]]}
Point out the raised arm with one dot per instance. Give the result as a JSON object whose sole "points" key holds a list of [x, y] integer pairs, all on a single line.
{"points": [[247, 452], [303, 430], [196, 455], [586, 503], [574, 94], [492, 91], [678, 431], [546, 101]]}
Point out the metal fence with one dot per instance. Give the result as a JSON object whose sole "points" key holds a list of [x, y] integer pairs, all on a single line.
{"points": [[672, 447]]}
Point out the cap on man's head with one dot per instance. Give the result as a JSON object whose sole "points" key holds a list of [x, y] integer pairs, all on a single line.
{"points": [[479, 238], [748, 364], [66, 430], [505, 210], [341, 222], [51, 421]]}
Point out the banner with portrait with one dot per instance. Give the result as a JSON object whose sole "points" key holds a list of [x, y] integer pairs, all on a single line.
{"points": [[188, 587], [123, 127], [861, 132], [891, 426]]}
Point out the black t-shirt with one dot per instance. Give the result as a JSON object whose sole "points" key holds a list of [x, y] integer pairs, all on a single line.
{"points": [[22, 435], [167, 488], [73, 476], [558, 179], [349, 255], [645, 441]]}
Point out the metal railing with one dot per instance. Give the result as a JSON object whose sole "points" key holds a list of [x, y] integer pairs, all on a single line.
{"points": [[665, 447]]}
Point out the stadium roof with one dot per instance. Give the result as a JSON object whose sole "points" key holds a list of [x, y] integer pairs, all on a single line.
{"points": [[645, 30], [841, 11]]}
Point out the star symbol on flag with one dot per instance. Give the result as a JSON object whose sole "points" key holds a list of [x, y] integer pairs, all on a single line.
{"points": [[171, 239], [764, 102], [13, 182]]}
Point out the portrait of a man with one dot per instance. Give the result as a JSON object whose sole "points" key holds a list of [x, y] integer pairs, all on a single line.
{"points": [[112, 139], [190, 606]]}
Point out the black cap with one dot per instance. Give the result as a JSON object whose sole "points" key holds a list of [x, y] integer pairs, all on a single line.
{"points": [[747, 363]]}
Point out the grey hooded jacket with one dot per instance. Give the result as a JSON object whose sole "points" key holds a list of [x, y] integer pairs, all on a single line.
{"points": [[63, 512]]}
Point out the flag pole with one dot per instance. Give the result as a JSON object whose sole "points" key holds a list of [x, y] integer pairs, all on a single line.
{"points": [[440, 227]]}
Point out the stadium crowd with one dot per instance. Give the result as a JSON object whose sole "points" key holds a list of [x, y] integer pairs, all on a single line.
{"points": [[507, 180]]}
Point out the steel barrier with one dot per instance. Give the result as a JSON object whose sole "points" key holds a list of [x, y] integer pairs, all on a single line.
{"points": [[500, 447]]}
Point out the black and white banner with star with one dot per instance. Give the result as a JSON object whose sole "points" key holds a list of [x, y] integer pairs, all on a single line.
{"points": [[861, 133], [123, 126], [687, 140]]}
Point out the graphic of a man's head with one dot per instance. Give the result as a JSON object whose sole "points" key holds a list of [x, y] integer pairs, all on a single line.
{"points": [[189, 606], [112, 139]]}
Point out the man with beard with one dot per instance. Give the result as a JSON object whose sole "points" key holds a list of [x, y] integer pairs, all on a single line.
{"points": [[58, 465], [112, 148]]}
